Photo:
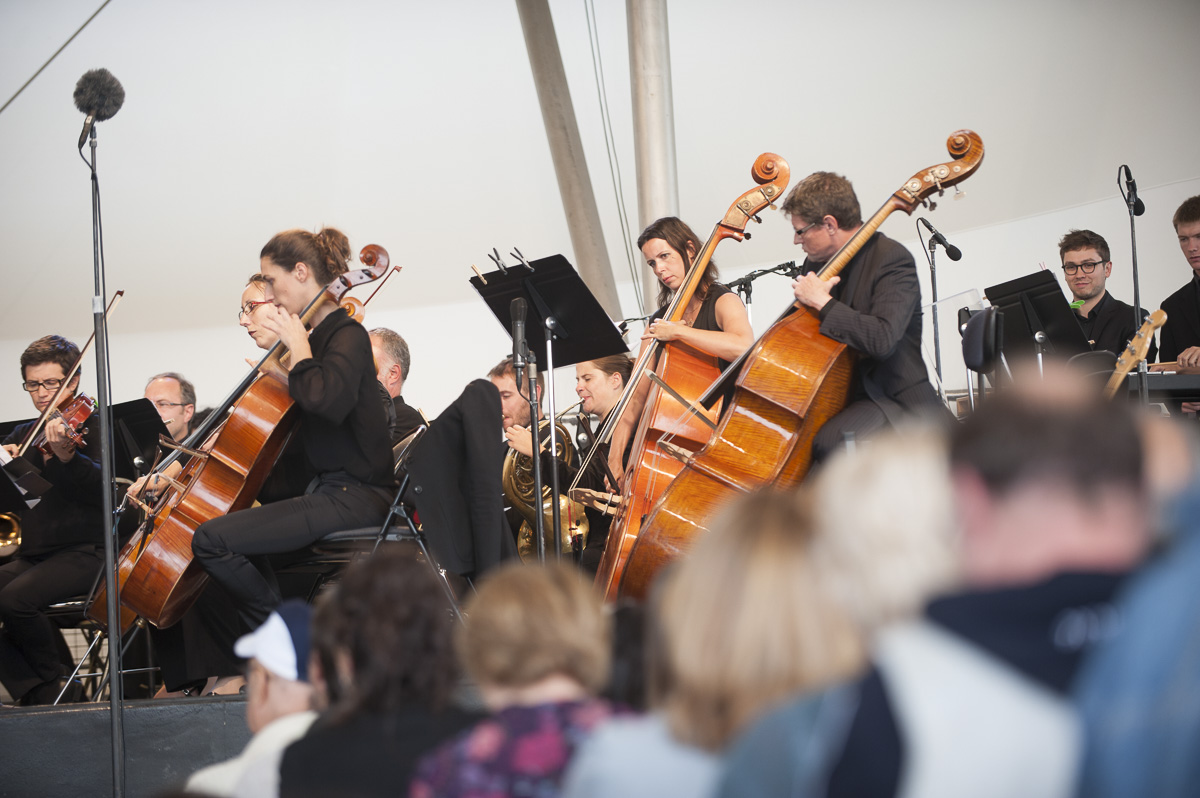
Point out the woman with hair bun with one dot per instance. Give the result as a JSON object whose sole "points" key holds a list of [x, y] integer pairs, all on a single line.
{"points": [[343, 425]]}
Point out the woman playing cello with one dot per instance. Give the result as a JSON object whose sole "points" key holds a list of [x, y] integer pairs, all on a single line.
{"points": [[715, 320], [343, 425]]}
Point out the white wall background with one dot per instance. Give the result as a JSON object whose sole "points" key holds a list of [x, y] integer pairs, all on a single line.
{"points": [[416, 126]]}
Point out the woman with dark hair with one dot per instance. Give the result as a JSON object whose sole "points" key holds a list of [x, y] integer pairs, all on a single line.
{"points": [[383, 667], [343, 425], [715, 321]]}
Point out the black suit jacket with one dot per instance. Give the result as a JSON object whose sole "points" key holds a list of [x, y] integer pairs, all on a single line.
{"points": [[407, 419], [1183, 322], [456, 483], [1114, 326], [876, 311]]}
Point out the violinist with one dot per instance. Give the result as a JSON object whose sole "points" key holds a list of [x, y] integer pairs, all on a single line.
{"points": [[343, 424], [715, 320], [61, 535], [873, 307]]}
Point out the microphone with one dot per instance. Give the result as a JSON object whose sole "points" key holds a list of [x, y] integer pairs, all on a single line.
{"points": [[952, 252], [516, 309], [1131, 197], [99, 95]]}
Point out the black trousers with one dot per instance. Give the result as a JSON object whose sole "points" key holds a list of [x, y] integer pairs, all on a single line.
{"points": [[861, 418], [32, 650], [224, 546]]}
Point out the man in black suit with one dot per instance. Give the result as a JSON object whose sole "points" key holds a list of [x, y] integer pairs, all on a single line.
{"points": [[1181, 333], [393, 360], [874, 307], [1107, 322]]}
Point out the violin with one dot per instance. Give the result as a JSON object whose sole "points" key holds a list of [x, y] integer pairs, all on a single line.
{"points": [[73, 415]]}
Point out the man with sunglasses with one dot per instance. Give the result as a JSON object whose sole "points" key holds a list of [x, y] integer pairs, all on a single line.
{"points": [[61, 533], [1107, 322]]}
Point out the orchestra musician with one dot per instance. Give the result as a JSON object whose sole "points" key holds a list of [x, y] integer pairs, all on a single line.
{"points": [[1107, 322], [61, 536], [393, 360], [1181, 334], [343, 430], [175, 399], [715, 320], [873, 307]]}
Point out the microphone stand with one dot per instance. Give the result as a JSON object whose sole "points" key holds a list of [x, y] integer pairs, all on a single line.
{"points": [[745, 285], [103, 390], [1131, 203]]}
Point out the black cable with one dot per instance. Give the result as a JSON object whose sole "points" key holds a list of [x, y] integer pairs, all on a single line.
{"points": [[56, 52]]}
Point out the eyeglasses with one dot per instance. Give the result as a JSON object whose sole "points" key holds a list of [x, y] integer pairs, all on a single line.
{"points": [[163, 404], [804, 230], [248, 308], [1087, 267], [49, 385]]}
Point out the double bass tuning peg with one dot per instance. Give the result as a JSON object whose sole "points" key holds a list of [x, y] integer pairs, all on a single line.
{"points": [[757, 218]]}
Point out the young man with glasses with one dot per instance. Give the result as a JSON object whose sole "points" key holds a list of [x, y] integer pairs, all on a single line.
{"points": [[1107, 322], [61, 533], [175, 399]]}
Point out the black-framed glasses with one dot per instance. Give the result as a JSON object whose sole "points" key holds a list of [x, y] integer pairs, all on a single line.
{"points": [[163, 404], [251, 304], [49, 385], [804, 230], [1087, 267]]}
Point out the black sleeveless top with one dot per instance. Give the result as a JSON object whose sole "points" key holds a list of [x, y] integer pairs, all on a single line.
{"points": [[706, 319]]}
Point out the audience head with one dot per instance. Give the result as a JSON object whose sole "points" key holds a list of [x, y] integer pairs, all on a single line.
{"points": [[382, 639], [745, 620], [175, 399], [514, 404], [887, 537], [277, 672], [535, 634], [392, 359], [1048, 477]]}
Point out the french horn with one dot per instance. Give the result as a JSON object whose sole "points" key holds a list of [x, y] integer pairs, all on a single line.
{"points": [[10, 534], [517, 481]]}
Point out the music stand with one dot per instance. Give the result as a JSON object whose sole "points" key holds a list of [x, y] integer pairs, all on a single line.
{"points": [[576, 330], [1037, 318]]}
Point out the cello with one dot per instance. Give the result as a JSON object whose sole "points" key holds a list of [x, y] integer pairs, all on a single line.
{"points": [[788, 384], [157, 577], [688, 371]]}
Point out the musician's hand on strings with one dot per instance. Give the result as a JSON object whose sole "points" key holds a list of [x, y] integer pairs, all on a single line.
{"points": [[520, 439], [1189, 358], [12, 449], [155, 486], [662, 330], [812, 291], [289, 328], [1191, 407], [618, 470], [60, 444]]}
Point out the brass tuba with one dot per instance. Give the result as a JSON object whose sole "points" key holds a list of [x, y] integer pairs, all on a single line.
{"points": [[10, 534], [517, 481]]}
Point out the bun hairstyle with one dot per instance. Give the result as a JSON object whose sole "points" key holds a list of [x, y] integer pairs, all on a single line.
{"points": [[326, 253]]}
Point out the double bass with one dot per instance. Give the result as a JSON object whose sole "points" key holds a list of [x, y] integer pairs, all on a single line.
{"points": [[788, 384], [157, 576], [688, 371]]}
